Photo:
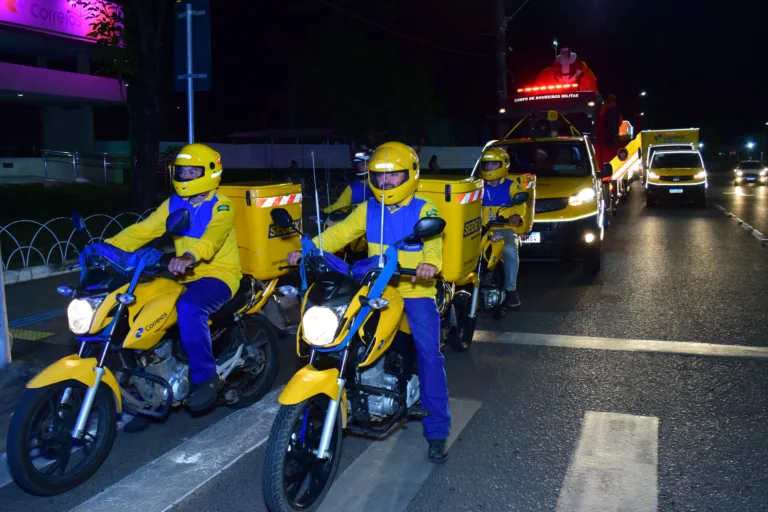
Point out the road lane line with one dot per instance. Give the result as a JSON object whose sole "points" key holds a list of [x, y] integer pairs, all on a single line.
{"points": [[389, 474], [37, 318], [615, 465], [668, 347], [169, 479], [749, 229], [5, 472]]}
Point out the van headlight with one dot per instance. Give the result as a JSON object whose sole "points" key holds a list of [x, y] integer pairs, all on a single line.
{"points": [[653, 175], [80, 314], [700, 175], [584, 196], [320, 324]]}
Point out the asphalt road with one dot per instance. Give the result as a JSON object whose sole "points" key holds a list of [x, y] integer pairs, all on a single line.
{"points": [[535, 428]]}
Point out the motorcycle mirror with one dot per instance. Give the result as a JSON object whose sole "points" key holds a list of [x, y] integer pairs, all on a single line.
{"points": [[79, 221], [281, 217], [520, 198], [429, 226], [177, 221]]}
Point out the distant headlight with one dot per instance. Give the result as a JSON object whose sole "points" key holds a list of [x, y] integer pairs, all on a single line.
{"points": [[739, 173], [700, 175], [584, 196], [763, 172], [80, 314]]}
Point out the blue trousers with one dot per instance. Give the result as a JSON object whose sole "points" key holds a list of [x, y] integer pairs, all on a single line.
{"points": [[433, 384], [203, 297]]}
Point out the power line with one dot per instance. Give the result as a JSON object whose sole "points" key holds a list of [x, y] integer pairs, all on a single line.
{"points": [[404, 36]]}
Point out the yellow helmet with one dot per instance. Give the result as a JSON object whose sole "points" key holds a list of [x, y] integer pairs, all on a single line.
{"points": [[196, 170], [393, 158], [494, 155]]}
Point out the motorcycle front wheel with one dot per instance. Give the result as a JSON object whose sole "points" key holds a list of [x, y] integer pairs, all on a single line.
{"points": [[43, 457], [294, 478]]}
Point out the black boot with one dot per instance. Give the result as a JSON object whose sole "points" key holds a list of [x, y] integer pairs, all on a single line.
{"points": [[438, 451], [204, 395], [511, 301]]}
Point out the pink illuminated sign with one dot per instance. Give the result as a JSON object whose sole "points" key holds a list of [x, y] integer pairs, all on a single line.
{"points": [[64, 17]]}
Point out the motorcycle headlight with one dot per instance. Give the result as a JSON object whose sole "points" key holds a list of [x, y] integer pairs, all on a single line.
{"points": [[584, 196], [80, 314], [321, 323]]}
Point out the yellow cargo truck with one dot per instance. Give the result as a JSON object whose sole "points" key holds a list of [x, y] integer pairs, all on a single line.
{"points": [[668, 140]]}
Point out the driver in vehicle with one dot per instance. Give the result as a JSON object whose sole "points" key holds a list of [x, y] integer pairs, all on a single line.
{"points": [[498, 192], [394, 174], [207, 261]]}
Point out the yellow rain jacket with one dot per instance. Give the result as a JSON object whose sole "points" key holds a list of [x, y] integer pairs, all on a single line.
{"points": [[398, 223], [210, 237]]}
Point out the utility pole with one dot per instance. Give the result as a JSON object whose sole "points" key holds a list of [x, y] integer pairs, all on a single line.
{"points": [[500, 22], [5, 334]]}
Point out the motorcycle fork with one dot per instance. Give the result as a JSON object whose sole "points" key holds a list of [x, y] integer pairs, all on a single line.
{"points": [[476, 289], [85, 410], [333, 410]]}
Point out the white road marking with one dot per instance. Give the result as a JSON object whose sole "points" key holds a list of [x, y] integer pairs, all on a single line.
{"points": [[5, 472], [615, 465], [749, 229], [169, 479], [669, 347], [387, 476]]}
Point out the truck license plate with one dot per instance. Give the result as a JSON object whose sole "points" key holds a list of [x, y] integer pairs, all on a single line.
{"points": [[531, 238], [675, 191]]}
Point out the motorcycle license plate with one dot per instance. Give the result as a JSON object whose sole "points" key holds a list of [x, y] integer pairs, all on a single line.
{"points": [[675, 191], [531, 238]]}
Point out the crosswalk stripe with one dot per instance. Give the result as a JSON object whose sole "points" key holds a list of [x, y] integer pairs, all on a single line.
{"points": [[669, 347], [169, 479], [615, 465], [388, 475]]}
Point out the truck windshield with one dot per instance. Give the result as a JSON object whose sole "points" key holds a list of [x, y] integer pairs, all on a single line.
{"points": [[551, 159], [676, 161]]}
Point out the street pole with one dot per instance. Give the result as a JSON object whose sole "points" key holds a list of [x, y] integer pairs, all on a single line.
{"points": [[190, 102], [5, 335], [500, 22]]}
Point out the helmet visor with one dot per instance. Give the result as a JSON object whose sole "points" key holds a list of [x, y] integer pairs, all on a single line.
{"points": [[490, 165], [187, 172], [388, 180]]}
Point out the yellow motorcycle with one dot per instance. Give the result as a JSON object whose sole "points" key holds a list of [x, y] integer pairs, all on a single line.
{"points": [[361, 376], [491, 293], [124, 316]]}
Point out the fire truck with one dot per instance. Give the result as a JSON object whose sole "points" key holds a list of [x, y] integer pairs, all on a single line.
{"points": [[569, 87]]}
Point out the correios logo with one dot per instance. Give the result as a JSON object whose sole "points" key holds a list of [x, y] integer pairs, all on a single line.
{"points": [[56, 15]]}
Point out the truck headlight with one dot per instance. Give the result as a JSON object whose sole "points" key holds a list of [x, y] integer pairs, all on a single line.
{"points": [[320, 324], [583, 196], [80, 314]]}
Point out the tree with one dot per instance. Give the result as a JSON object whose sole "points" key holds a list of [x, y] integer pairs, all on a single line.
{"points": [[129, 34]]}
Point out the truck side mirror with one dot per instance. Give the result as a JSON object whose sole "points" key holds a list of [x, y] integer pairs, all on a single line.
{"points": [[606, 171]]}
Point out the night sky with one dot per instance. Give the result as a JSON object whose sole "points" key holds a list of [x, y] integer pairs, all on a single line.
{"points": [[698, 60]]}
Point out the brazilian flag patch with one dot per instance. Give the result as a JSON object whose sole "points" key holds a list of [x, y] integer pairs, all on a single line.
{"points": [[223, 208], [432, 213]]}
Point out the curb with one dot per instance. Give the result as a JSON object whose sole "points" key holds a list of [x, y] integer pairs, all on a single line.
{"points": [[33, 273]]}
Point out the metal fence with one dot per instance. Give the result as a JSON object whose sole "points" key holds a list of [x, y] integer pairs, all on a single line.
{"points": [[57, 241], [86, 161]]}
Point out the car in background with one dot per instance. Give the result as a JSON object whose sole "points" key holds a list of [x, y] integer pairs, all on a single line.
{"points": [[750, 171]]}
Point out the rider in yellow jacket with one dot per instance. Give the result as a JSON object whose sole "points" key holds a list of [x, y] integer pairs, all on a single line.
{"points": [[207, 260], [394, 175], [498, 192]]}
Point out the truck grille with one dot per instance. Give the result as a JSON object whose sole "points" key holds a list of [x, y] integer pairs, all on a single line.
{"points": [[551, 205], [676, 178]]}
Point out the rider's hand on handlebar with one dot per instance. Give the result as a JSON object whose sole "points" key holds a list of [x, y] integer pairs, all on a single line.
{"points": [[294, 257], [515, 220], [424, 271], [179, 265]]}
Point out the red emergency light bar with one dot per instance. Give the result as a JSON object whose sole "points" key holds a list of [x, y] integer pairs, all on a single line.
{"points": [[540, 88]]}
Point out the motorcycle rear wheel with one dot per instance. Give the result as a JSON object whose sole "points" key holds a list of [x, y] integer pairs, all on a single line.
{"points": [[40, 416], [289, 461]]}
